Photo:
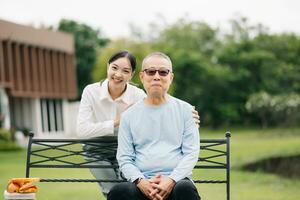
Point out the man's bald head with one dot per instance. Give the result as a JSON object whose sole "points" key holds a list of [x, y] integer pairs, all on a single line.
{"points": [[157, 54]]}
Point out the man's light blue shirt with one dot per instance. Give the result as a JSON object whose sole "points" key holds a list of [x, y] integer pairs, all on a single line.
{"points": [[160, 139]]}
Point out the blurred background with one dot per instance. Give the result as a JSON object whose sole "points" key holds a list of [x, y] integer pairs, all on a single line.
{"points": [[237, 62]]}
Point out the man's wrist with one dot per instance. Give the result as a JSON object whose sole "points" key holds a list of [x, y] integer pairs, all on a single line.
{"points": [[173, 178], [137, 181]]}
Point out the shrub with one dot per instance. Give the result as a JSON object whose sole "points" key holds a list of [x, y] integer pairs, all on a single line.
{"points": [[280, 109], [6, 141]]}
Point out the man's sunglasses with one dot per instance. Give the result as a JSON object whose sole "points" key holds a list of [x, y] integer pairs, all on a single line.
{"points": [[152, 72]]}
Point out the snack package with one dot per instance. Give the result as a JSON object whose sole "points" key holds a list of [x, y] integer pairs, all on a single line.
{"points": [[22, 185]]}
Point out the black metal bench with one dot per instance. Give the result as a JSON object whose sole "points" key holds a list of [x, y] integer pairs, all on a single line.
{"points": [[70, 153]]}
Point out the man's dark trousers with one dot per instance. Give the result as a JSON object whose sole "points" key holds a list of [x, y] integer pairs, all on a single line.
{"points": [[183, 190]]}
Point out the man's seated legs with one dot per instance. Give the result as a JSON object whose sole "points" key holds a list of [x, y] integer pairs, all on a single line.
{"points": [[184, 189]]}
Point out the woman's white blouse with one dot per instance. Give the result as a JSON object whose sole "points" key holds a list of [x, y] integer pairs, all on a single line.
{"points": [[98, 110]]}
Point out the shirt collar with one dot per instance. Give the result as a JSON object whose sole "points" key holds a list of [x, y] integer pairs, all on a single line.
{"points": [[105, 94]]}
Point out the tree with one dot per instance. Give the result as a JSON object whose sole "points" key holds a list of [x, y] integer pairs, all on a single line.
{"points": [[198, 78], [87, 41], [219, 72]]}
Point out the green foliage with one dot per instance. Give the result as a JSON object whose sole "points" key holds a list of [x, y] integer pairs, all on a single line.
{"points": [[87, 40], [5, 135], [218, 72], [284, 69], [6, 141], [9, 146], [275, 109]]}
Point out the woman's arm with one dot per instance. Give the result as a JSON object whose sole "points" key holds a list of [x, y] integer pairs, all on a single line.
{"points": [[86, 125]]}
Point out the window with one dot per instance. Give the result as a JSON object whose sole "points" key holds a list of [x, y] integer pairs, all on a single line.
{"points": [[52, 115]]}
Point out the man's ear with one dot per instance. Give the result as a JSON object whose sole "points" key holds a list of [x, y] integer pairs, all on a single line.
{"points": [[172, 77], [141, 75]]}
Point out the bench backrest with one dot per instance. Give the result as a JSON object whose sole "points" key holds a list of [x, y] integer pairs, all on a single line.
{"points": [[84, 153]]}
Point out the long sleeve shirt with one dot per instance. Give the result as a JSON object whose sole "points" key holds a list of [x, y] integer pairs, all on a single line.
{"points": [[160, 139], [98, 110]]}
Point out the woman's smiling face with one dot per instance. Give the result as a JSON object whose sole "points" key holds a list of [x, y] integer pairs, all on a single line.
{"points": [[119, 72]]}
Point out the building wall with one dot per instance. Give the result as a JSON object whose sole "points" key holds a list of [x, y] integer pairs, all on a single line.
{"points": [[30, 71], [37, 77]]}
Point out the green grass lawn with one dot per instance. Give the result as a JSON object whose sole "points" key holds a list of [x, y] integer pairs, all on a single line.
{"points": [[246, 146]]}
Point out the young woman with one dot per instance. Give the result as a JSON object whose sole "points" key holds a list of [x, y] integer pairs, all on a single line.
{"points": [[102, 104]]}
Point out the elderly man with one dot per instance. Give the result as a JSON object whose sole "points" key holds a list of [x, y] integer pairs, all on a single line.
{"points": [[158, 141]]}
